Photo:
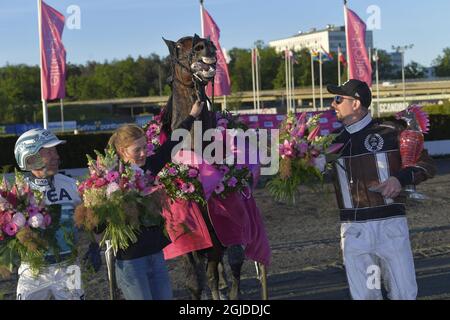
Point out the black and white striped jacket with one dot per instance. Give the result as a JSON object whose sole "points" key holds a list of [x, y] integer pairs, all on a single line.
{"points": [[369, 157]]}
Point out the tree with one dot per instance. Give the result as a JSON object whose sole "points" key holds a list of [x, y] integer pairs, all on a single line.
{"points": [[442, 64], [414, 71]]}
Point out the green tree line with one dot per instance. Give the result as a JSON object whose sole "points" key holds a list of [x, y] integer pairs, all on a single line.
{"points": [[146, 76]]}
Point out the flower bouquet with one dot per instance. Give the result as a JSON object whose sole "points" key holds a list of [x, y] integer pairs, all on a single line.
{"points": [[236, 178], [118, 197], [27, 226], [303, 156], [180, 181]]}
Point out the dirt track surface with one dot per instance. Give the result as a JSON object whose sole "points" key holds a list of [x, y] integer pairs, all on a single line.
{"points": [[306, 258]]}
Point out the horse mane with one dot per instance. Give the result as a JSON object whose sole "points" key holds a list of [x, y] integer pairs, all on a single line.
{"points": [[166, 118]]}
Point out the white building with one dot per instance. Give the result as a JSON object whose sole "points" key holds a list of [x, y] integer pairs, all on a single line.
{"points": [[329, 38]]}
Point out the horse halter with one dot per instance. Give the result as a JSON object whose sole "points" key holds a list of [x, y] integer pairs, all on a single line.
{"points": [[197, 81]]}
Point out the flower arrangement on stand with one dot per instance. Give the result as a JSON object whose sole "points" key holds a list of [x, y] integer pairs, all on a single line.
{"points": [[303, 156], [27, 226], [119, 198]]}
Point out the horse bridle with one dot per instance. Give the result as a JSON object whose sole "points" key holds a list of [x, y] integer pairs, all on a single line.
{"points": [[197, 82]]}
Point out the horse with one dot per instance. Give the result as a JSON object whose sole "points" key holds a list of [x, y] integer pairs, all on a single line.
{"points": [[193, 61]]}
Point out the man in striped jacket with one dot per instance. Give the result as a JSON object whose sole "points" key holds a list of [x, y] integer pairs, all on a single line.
{"points": [[368, 180]]}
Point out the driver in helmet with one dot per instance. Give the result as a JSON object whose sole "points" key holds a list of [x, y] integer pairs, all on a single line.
{"points": [[35, 151]]}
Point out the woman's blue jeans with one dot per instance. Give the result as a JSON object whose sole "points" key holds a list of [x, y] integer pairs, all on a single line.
{"points": [[145, 278]]}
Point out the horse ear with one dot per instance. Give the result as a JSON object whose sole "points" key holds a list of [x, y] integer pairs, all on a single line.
{"points": [[171, 45], [196, 39]]}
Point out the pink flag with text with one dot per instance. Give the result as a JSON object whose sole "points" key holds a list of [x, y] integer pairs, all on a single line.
{"points": [[53, 54], [222, 78], [359, 66]]}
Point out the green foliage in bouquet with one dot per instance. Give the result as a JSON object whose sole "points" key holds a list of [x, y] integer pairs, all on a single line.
{"points": [[303, 157]]}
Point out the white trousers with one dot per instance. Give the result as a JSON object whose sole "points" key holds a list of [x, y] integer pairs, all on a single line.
{"points": [[376, 250], [61, 281]]}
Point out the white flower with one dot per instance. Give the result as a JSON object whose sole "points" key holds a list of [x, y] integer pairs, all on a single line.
{"points": [[112, 187], [19, 219], [320, 163], [36, 221]]}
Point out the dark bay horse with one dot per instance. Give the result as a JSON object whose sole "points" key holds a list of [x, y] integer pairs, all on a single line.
{"points": [[193, 62]]}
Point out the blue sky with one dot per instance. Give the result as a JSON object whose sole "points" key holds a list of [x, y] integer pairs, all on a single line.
{"points": [[119, 28]]}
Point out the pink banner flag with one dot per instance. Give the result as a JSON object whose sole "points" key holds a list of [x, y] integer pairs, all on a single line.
{"points": [[359, 66], [53, 54], [222, 78]]}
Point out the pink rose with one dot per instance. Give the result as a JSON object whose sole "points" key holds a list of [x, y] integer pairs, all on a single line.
{"points": [[10, 229], [32, 211], [100, 182], [188, 188], [112, 176], [172, 171], [5, 218], [220, 188], [192, 173]]}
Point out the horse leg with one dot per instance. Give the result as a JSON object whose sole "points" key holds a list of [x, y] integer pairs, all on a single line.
{"points": [[223, 281], [194, 272], [212, 275], [236, 259]]}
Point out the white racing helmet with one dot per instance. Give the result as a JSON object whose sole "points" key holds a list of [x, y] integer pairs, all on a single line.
{"points": [[29, 144]]}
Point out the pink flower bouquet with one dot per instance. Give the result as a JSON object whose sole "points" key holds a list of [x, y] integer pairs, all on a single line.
{"points": [[120, 197], [27, 226]]}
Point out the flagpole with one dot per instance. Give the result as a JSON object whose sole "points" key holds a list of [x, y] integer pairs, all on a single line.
{"points": [[312, 82], [287, 79], [201, 18], [346, 39], [320, 70], [293, 84], [256, 81], [253, 78], [62, 114], [377, 80], [339, 64], [44, 102]]}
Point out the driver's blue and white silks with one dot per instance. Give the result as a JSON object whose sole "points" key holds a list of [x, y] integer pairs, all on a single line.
{"points": [[60, 280]]}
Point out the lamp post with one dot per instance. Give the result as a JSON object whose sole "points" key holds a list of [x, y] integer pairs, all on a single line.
{"points": [[402, 49]]}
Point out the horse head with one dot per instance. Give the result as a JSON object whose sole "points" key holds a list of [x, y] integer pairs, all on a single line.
{"points": [[193, 64]]}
